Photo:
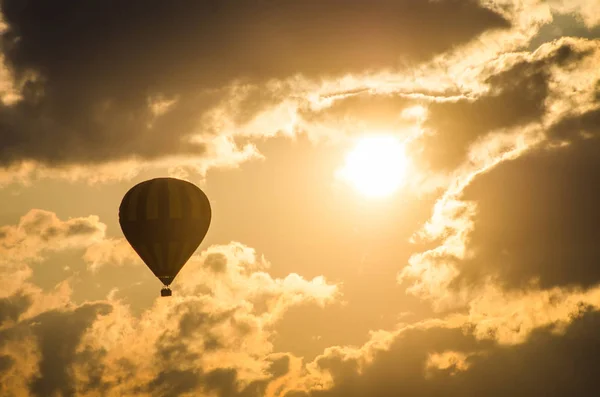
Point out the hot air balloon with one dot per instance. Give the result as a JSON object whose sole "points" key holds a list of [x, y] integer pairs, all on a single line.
{"points": [[165, 220]]}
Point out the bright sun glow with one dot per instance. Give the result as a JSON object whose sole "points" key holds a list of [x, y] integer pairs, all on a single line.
{"points": [[376, 166]]}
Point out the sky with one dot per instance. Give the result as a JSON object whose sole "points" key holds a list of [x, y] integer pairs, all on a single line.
{"points": [[404, 197]]}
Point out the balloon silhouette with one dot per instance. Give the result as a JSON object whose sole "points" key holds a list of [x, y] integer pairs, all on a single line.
{"points": [[165, 220]]}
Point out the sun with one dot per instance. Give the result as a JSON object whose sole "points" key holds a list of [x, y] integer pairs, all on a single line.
{"points": [[376, 166]]}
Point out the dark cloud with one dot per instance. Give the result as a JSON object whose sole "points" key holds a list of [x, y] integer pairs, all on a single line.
{"points": [[517, 96], [223, 382], [196, 319], [280, 366], [577, 127], [100, 61], [537, 218], [58, 334], [548, 364], [401, 368], [13, 306], [217, 262], [563, 25], [92, 366], [180, 350], [195, 326], [81, 227], [172, 383], [6, 362]]}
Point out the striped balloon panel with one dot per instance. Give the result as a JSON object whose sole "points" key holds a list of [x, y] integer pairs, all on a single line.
{"points": [[164, 220]]}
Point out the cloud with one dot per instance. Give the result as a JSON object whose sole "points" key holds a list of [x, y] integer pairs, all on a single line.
{"points": [[110, 252], [241, 99], [222, 151], [38, 233], [215, 334], [569, 25], [517, 95], [510, 317], [438, 359], [578, 127], [361, 112], [446, 357], [94, 83], [586, 10], [12, 307], [56, 335], [503, 196], [514, 134], [445, 126], [545, 233], [185, 115], [39, 229], [237, 274]]}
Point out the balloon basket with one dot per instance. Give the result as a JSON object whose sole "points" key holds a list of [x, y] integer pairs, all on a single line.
{"points": [[165, 292]]}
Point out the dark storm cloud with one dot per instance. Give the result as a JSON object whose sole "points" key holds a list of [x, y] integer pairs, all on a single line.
{"points": [[547, 364], [517, 96], [537, 218], [99, 61]]}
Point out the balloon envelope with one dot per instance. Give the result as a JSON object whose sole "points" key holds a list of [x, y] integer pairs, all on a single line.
{"points": [[165, 220]]}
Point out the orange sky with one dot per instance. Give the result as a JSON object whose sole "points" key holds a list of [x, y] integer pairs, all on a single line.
{"points": [[465, 265]]}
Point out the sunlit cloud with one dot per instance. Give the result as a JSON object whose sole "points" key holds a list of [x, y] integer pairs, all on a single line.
{"points": [[37, 233], [433, 273]]}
